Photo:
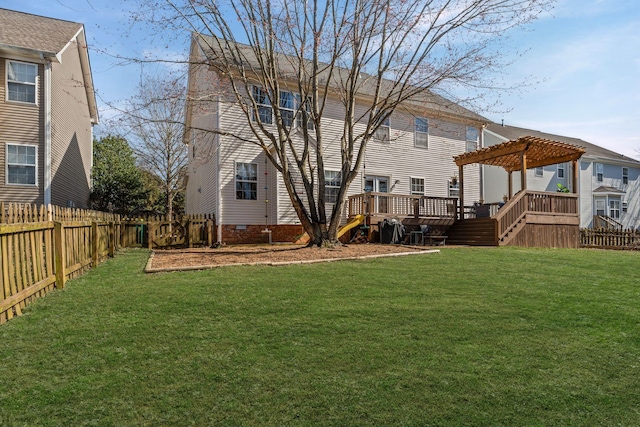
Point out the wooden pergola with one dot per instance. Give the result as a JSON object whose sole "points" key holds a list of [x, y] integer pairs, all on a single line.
{"points": [[519, 155]]}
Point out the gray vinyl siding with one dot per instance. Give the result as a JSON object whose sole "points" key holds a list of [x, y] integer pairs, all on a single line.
{"points": [[21, 124], [71, 135]]}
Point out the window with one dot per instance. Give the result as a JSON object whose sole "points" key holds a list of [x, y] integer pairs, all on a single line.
{"points": [[625, 175], [422, 132], [21, 82], [561, 170], [417, 186], [454, 189], [472, 139], [287, 108], [382, 133], [625, 206], [331, 185], [21, 164], [614, 208], [264, 113], [246, 181], [599, 172], [307, 107], [539, 171]]}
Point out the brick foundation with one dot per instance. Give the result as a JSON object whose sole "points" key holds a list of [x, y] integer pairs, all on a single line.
{"points": [[235, 234]]}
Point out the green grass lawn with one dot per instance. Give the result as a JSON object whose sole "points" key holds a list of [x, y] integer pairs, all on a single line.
{"points": [[491, 336]]}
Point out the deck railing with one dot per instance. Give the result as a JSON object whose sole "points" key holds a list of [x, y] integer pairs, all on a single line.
{"points": [[402, 206], [525, 202]]}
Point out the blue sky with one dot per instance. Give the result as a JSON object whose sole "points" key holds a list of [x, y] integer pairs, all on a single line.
{"points": [[584, 56]]}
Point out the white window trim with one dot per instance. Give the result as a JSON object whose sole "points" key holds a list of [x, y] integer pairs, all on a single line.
{"points": [[256, 111], [6, 79], [383, 133], [416, 132], [561, 167], [625, 176], [599, 175], [615, 206], [326, 186], [6, 168], [468, 141], [236, 181], [411, 191], [455, 188]]}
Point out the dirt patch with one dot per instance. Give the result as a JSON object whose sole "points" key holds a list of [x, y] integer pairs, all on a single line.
{"points": [[189, 259]]}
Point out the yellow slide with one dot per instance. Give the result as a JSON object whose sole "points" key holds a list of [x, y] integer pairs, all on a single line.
{"points": [[356, 221]]}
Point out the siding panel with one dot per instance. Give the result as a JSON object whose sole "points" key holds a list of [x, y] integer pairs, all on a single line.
{"points": [[22, 124]]}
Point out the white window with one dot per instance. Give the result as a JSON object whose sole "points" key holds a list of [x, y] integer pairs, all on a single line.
{"points": [[307, 107], [382, 133], [331, 185], [599, 172], [454, 189], [614, 208], [561, 167], [417, 186], [264, 112], [246, 181], [539, 171], [472, 139], [625, 175], [287, 108], [21, 82], [625, 206], [21, 164], [422, 132]]}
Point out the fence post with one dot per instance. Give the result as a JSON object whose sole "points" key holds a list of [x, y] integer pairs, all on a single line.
{"points": [[188, 236], [210, 224], [94, 244], [150, 232], [112, 239], [60, 261]]}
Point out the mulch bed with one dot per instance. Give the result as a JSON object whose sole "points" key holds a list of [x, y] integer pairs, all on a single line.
{"points": [[204, 258]]}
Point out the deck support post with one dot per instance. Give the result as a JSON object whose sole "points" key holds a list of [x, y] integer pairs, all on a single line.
{"points": [[461, 192]]}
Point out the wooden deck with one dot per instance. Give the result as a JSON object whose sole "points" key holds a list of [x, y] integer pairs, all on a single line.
{"points": [[530, 219]]}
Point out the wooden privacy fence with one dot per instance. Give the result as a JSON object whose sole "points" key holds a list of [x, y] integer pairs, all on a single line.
{"points": [[609, 239], [42, 247]]}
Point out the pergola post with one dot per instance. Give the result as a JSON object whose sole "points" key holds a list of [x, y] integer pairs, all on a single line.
{"points": [[461, 192], [523, 170], [510, 185]]}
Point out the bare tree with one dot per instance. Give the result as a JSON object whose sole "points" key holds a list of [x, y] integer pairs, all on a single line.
{"points": [[372, 55], [153, 122]]}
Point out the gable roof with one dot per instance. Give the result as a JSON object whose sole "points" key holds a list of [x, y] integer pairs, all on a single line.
{"points": [[287, 67], [31, 33], [42, 37], [591, 150]]}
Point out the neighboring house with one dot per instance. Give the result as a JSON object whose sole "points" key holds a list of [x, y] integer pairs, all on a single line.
{"points": [[233, 179], [609, 184], [47, 111]]}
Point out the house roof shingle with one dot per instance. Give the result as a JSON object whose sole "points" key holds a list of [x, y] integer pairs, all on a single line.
{"points": [[28, 32], [591, 150], [425, 99]]}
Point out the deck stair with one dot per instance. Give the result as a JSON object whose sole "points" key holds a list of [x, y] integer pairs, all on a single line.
{"points": [[473, 232]]}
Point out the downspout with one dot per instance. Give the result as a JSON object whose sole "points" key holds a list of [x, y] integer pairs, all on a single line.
{"points": [[47, 132], [218, 190]]}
